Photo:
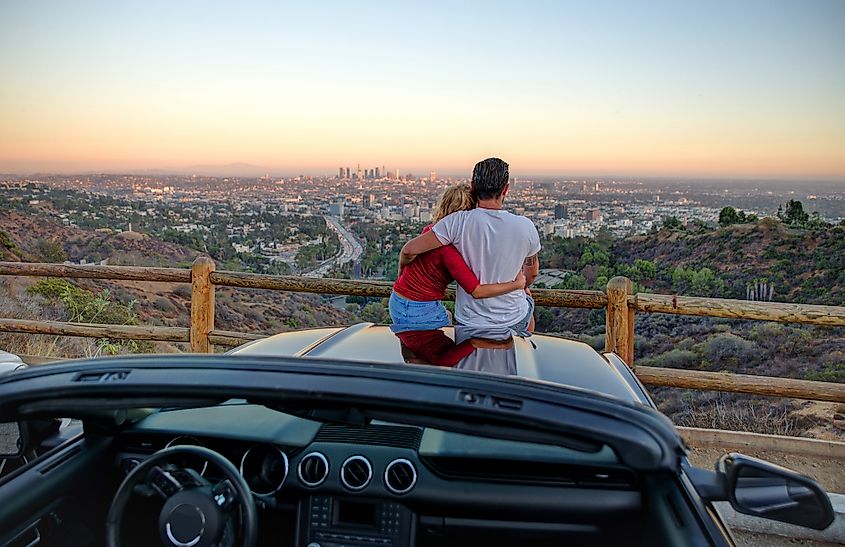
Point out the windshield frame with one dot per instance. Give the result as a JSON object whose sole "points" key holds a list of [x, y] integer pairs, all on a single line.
{"points": [[506, 407]]}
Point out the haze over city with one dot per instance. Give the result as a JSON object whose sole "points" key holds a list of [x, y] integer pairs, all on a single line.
{"points": [[723, 89]]}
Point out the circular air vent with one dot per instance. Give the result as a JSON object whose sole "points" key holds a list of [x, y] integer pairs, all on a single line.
{"points": [[400, 476], [265, 468], [356, 472], [313, 469]]}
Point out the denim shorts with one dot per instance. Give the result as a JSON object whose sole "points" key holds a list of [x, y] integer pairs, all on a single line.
{"points": [[419, 315], [521, 328]]}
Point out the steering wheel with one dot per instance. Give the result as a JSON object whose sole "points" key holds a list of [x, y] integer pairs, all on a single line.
{"points": [[195, 512]]}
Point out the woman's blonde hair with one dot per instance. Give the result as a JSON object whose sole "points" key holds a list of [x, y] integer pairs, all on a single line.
{"points": [[456, 198]]}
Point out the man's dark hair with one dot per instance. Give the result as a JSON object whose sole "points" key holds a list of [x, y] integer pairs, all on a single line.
{"points": [[489, 178]]}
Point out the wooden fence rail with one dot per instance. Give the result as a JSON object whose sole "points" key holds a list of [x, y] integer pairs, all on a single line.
{"points": [[830, 316], [94, 330], [124, 273], [619, 303], [742, 383]]}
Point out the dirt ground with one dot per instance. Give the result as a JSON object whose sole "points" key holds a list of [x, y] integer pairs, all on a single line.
{"points": [[828, 417]]}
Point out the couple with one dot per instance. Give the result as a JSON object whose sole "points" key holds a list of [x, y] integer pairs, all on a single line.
{"points": [[491, 253]]}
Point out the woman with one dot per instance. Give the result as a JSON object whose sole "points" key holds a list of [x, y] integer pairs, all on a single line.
{"points": [[418, 293]]}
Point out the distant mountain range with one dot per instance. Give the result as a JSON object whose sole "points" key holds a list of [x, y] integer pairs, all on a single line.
{"points": [[237, 169]]}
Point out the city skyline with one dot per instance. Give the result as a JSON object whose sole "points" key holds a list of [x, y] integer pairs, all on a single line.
{"points": [[751, 91]]}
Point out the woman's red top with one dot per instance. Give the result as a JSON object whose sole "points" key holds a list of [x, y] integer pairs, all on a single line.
{"points": [[426, 278]]}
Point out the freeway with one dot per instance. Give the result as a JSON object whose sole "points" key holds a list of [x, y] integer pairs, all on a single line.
{"points": [[350, 249]]}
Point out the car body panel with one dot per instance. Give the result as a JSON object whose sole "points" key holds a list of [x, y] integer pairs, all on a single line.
{"points": [[10, 362], [540, 357]]}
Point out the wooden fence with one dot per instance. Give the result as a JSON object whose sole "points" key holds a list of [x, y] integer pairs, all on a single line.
{"points": [[619, 304]]}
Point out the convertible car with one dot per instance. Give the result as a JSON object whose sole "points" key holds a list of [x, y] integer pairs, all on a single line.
{"points": [[365, 436]]}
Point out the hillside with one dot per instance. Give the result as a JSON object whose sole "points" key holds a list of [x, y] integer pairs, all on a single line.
{"points": [[38, 238], [806, 266], [28, 238], [793, 264]]}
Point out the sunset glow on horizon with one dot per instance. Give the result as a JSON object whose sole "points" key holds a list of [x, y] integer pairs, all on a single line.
{"points": [[721, 89]]}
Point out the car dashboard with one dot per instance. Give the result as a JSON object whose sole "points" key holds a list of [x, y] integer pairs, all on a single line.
{"points": [[325, 484]]}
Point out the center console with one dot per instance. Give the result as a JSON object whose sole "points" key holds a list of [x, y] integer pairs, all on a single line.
{"points": [[329, 521]]}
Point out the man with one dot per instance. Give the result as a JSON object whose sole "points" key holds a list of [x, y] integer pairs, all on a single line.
{"points": [[496, 244]]}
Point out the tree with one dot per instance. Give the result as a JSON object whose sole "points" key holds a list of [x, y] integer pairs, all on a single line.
{"points": [[645, 269], [703, 281], [572, 282], [601, 283], [728, 216], [545, 318], [51, 251], [815, 222], [586, 259], [793, 214], [374, 312], [672, 223]]}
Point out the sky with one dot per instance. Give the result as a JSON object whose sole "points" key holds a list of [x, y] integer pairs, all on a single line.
{"points": [[662, 88]]}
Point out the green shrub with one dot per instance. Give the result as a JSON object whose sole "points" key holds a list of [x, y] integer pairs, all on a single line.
{"points": [[728, 349], [595, 341], [84, 306], [674, 358], [183, 290], [164, 305], [831, 373], [6, 241], [374, 312], [51, 251]]}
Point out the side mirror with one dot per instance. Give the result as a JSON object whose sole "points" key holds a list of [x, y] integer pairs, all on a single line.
{"points": [[765, 490], [13, 439]]}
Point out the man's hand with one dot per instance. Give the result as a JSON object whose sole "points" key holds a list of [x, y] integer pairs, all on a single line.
{"points": [[417, 246], [520, 279], [531, 267]]}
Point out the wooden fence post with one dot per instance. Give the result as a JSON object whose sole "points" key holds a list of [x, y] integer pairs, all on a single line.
{"points": [[202, 305], [617, 327]]}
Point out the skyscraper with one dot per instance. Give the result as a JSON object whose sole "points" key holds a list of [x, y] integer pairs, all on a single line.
{"points": [[336, 209], [561, 211], [340, 173], [378, 173]]}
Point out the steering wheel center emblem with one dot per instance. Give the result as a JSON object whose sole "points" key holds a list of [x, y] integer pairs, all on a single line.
{"points": [[185, 525]]}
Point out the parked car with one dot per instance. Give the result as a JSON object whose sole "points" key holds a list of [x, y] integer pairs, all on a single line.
{"points": [[10, 362], [341, 436]]}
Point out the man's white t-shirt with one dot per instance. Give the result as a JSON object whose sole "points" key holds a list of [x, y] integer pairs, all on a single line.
{"points": [[494, 244]]}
